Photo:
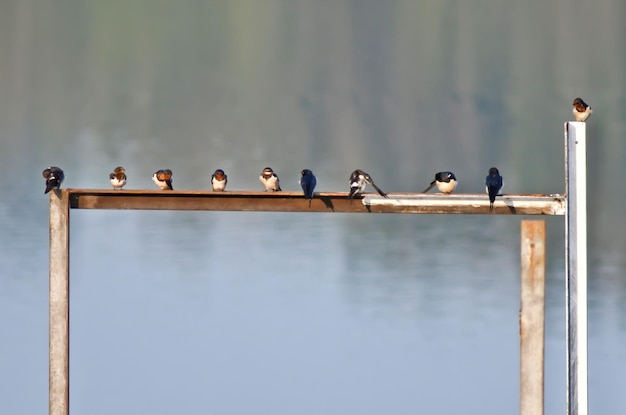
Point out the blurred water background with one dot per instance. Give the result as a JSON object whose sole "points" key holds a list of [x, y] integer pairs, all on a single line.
{"points": [[271, 313]]}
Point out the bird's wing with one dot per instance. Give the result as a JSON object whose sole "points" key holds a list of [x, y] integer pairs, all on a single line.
{"points": [[378, 189], [430, 186]]}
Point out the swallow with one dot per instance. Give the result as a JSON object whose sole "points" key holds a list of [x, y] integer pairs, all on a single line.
{"points": [[270, 180], [494, 184], [581, 110], [219, 180], [118, 178], [359, 180], [54, 177], [445, 181], [163, 179], [308, 182]]}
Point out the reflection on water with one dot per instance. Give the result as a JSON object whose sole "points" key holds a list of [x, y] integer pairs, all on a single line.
{"points": [[277, 302], [198, 312], [383, 308]]}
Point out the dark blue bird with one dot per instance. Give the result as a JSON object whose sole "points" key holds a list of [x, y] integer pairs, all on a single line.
{"points": [[494, 184], [308, 182], [54, 176]]}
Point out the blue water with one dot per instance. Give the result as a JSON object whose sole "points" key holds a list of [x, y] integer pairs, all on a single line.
{"points": [[199, 312]]}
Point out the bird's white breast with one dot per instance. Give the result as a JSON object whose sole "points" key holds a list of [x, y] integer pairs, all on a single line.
{"points": [[218, 185], [359, 184], [161, 184], [582, 116], [446, 187], [117, 184], [270, 183]]}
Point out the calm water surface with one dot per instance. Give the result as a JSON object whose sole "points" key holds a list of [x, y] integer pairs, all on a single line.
{"points": [[290, 313]]}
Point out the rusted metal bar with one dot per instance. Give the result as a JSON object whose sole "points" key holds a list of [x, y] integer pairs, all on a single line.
{"points": [[59, 346], [576, 266], [322, 202], [532, 316]]}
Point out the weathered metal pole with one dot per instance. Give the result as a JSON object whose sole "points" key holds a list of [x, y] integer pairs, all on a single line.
{"points": [[576, 266], [59, 363], [532, 316]]}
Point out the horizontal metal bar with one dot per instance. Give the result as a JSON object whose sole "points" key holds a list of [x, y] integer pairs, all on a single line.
{"points": [[552, 204]]}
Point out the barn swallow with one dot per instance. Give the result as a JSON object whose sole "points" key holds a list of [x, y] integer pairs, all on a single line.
{"points": [[54, 177], [163, 179], [494, 184], [118, 178], [359, 180], [219, 180], [270, 180], [445, 181], [308, 182], [581, 110]]}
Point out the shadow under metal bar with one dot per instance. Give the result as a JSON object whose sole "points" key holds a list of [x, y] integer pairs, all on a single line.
{"points": [[338, 202]]}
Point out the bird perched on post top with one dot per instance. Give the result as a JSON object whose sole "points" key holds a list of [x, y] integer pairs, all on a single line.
{"points": [[581, 110], [270, 180], [359, 180], [163, 179], [219, 180], [445, 181], [118, 178], [54, 177], [308, 182], [493, 184]]}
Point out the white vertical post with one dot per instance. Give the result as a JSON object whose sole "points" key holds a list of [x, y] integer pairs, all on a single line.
{"points": [[576, 266], [59, 353]]}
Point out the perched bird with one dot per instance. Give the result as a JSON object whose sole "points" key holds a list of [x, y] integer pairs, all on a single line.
{"points": [[163, 179], [359, 180], [219, 180], [445, 181], [118, 178], [308, 182], [270, 180], [494, 184], [581, 110], [54, 177]]}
